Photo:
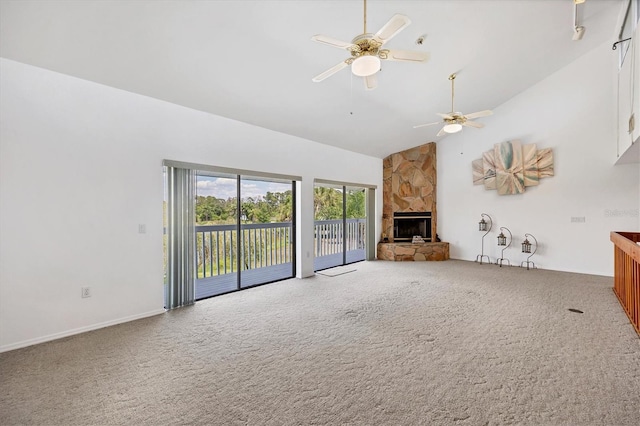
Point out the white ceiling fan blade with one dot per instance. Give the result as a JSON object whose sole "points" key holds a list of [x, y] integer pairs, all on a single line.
{"points": [[425, 125], [396, 24], [473, 124], [330, 41], [441, 132], [331, 71], [404, 55], [479, 114], [371, 82], [445, 116]]}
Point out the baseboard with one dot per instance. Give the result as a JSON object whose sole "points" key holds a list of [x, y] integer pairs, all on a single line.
{"points": [[556, 269], [68, 333]]}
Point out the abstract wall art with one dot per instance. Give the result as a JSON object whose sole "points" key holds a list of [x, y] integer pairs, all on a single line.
{"points": [[530, 159], [489, 170], [545, 162], [478, 172], [510, 167]]}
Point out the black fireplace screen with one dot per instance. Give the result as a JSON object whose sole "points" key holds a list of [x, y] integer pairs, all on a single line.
{"points": [[406, 225]]}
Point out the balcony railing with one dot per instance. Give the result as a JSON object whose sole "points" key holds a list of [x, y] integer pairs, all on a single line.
{"points": [[329, 236], [334, 247], [269, 244], [266, 252], [262, 245], [626, 276]]}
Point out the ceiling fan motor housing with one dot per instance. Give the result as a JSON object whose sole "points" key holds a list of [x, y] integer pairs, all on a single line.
{"points": [[456, 117], [364, 44]]}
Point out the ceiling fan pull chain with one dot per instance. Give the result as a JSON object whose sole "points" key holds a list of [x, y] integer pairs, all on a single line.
{"points": [[351, 95]]}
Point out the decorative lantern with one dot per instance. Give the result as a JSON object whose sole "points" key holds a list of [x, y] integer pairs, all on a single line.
{"points": [[502, 241], [482, 226], [526, 248]]}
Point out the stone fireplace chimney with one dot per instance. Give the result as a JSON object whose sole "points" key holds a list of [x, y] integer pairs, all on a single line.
{"points": [[409, 193], [409, 185]]}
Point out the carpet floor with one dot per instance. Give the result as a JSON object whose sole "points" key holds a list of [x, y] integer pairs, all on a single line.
{"points": [[392, 343]]}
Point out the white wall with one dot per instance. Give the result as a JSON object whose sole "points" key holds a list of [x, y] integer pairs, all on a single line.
{"points": [[81, 167], [573, 112]]}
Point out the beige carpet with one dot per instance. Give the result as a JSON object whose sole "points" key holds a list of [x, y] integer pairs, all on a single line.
{"points": [[434, 343]]}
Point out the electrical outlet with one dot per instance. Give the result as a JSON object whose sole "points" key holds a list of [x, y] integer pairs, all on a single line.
{"points": [[579, 219], [142, 228], [86, 292]]}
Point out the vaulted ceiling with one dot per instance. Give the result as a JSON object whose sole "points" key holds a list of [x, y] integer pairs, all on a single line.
{"points": [[253, 61]]}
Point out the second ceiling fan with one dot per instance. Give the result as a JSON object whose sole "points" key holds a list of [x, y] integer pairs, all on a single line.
{"points": [[366, 50], [453, 121]]}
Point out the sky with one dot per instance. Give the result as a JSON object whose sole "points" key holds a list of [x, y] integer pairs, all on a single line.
{"points": [[225, 188]]}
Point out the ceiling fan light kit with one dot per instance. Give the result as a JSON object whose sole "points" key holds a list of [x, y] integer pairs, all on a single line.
{"points": [[452, 128], [366, 65]]}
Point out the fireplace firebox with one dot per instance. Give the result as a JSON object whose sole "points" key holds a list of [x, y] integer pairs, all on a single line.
{"points": [[406, 225]]}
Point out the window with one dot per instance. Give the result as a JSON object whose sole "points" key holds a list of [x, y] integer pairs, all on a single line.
{"points": [[629, 24]]}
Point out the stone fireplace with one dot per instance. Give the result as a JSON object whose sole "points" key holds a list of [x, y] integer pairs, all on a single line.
{"points": [[409, 206]]}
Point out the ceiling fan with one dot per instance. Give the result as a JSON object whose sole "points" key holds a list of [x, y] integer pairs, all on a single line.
{"points": [[454, 121], [366, 50]]}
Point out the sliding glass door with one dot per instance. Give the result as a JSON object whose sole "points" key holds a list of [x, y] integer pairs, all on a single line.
{"points": [[266, 231], [340, 225], [244, 232], [216, 235]]}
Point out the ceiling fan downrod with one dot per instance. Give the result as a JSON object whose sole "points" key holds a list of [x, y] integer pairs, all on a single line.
{"points": [[365, 17], [452, 77]]}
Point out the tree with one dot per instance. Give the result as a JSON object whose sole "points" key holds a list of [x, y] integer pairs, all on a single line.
{"points": [[327, 203], [273, 207], [355, 204]]}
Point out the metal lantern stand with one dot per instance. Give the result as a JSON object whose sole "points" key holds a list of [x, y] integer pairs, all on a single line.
{"points": [[526, 248], [482, 226], [502, 241]]}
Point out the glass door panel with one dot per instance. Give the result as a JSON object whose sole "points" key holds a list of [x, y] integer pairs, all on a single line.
{"points": [[356, 224], [216, 235], [266, 230], [328, 203]]}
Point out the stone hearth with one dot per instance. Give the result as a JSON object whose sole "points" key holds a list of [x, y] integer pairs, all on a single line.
{"points": [[408, 251]]}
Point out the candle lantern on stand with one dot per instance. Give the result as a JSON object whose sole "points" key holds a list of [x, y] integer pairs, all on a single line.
{"points": [[483, 225], [502, 241], [526, 248]]}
